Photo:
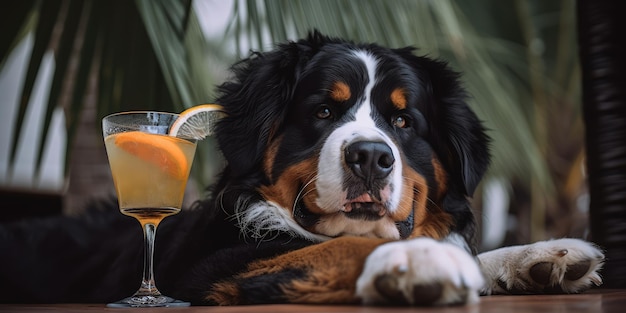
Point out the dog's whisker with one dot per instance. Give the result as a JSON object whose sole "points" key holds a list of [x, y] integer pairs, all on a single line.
{"points": [[300, 194]]}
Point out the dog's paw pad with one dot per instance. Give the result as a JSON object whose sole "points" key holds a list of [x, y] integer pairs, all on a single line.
{"points": [[578, 270], [541, 272], [427, 294], [419, 272], [563, 265], [387, 286]]}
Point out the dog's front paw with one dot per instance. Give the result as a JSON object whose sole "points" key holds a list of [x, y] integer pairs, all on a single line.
{"points": [[419, 272], [563, 266]]}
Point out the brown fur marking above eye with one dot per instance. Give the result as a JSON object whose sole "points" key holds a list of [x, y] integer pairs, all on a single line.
{"points": [[340, 92], [398, 98]]}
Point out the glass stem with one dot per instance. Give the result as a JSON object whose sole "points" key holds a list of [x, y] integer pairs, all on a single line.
{"points": [[147, 283]]}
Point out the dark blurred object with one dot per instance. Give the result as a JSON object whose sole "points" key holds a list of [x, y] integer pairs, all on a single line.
{"points": [[601, 26], [20, 204]]}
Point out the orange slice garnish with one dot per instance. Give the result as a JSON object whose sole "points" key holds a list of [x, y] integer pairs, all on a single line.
{"points": [[197, 122], [159, 150]]}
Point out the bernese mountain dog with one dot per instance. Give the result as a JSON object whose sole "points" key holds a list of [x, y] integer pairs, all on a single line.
{"points": [[349, 168]]}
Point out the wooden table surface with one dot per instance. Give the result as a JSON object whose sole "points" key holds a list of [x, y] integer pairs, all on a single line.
{"points": [[609, 301]]}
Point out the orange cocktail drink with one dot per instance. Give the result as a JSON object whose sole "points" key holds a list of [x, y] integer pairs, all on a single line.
{"points": [[150, 172], [150, 167]]}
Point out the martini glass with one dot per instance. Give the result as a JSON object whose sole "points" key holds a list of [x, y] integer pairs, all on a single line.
{"points": [[150, 170]]}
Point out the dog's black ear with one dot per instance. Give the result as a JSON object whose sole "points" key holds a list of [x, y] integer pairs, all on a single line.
{"points": [[256, 99], [457, 135], [465, 144]]}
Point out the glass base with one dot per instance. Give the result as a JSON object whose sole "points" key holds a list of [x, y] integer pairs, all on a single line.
{"points": [[147, 302]]}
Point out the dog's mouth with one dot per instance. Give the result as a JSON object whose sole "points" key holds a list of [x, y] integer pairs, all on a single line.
{"points": [[361, 208], [364, 207]]}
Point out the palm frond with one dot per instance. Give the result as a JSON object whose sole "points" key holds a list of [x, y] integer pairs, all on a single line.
{"points": [[16, 25], [43, 37], [141, 55]]}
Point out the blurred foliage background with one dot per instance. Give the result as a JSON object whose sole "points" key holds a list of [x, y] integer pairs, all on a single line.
{"points": [[518, 59]]}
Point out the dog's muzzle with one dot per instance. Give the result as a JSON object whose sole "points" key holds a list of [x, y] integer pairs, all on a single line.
{"points": [[370, 163]]}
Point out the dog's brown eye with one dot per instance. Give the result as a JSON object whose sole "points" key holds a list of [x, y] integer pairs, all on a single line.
{"points": [[400, 121], [324, 113]]}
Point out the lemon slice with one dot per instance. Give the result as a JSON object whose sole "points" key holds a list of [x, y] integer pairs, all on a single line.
{"points": [[162, 151], [197, 122]]}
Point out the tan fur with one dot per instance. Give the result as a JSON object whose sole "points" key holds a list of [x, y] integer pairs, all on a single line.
{"points": [[340, 92], [398, 98]]}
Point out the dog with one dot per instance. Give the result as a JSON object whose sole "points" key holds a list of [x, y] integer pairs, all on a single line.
{"points": [[349, 169]]}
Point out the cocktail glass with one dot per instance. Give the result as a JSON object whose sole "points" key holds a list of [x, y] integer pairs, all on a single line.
{"points": [[150, 171]]}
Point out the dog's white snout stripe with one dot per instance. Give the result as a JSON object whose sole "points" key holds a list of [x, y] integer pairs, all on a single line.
{"points": [[362, 128]]}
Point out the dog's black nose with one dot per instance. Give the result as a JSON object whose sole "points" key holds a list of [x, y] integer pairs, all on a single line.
{"points": [[369, 159]]}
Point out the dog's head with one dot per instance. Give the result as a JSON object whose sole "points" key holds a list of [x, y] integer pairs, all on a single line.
{"points": [[325, 138]]}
